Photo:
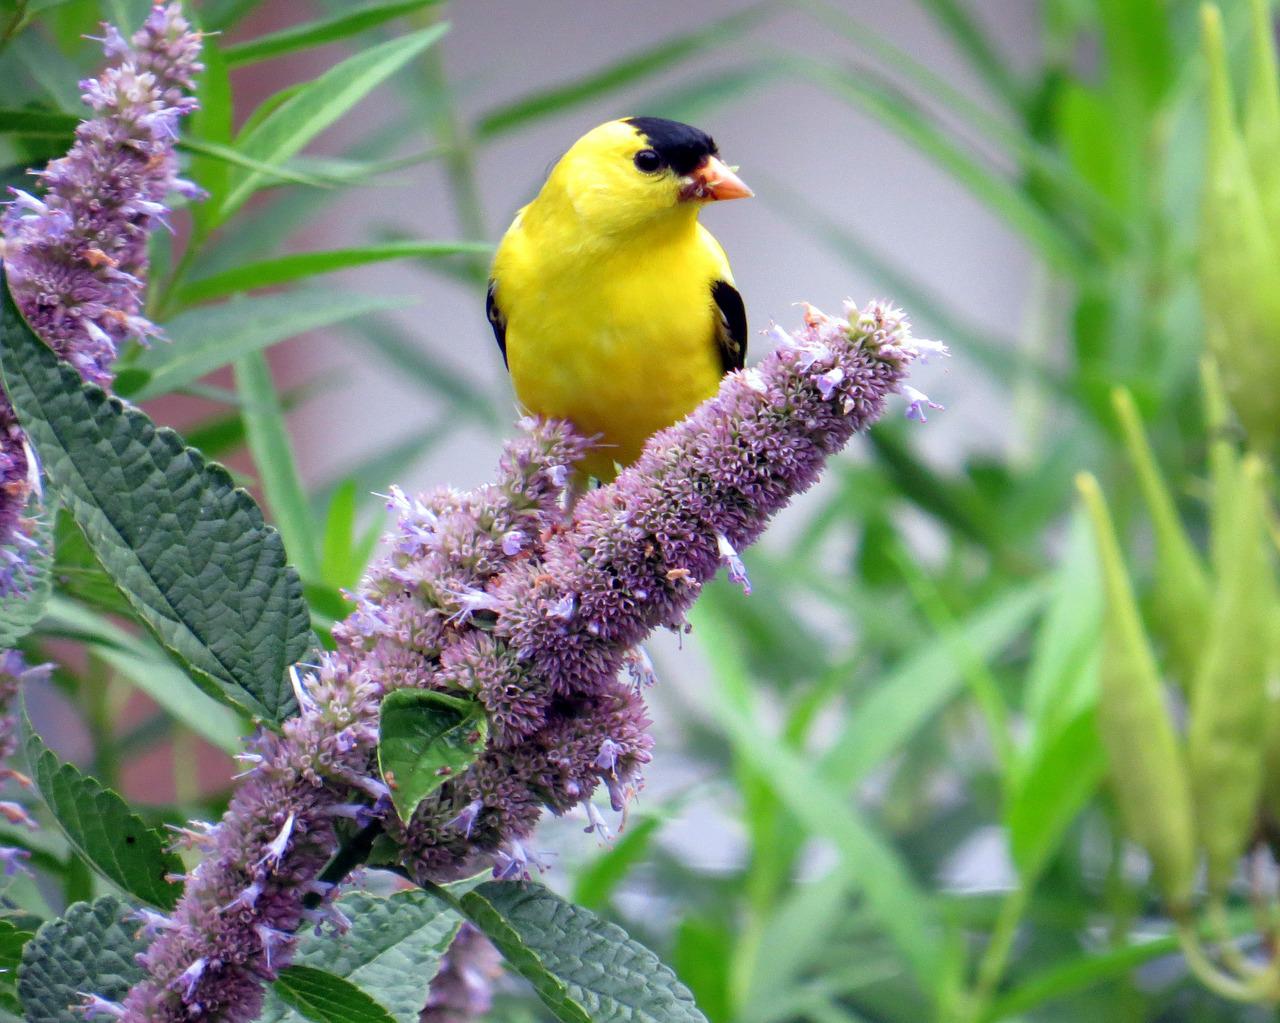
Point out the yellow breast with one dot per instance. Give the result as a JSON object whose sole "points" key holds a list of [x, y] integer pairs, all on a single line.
{"points": [[618, 339]]}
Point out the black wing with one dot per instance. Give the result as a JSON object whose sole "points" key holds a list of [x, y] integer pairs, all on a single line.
{"points": [[731, 331], [497, 321]]}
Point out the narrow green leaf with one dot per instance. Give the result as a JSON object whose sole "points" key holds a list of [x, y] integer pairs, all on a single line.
{"points": [[324, 30], [43, 123], [1056, 786], [391, 952], [971, 39], [229, 156], [144, 664], [91, 948], [208, 338], [898, 904], [101, 827], [337, 566], [318, 104], [22, 609], [633, 68], [584, 969], [188, 550], [323, 998], [425, 738], [286, 269], [273, 455], [598, 880], [884, 720]]}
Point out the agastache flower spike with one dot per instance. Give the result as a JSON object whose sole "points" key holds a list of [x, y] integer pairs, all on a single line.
{"points": [[76, 259], [540, 643]]}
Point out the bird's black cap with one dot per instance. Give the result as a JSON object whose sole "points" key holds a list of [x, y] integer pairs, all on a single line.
{"points": [[682, 147]]}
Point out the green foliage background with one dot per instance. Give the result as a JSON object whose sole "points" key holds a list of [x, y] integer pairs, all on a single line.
{"points": [[941, 697]]}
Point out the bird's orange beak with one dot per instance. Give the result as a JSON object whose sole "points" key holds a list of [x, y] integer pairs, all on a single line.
{"points": [[714, 180]]}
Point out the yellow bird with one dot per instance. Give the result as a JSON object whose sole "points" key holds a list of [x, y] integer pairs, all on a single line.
{"points": [[614, 308]]}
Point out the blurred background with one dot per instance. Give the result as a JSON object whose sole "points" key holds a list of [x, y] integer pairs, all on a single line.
{"points": [[878, 790]]}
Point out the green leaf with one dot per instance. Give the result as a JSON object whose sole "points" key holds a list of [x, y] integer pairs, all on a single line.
{"points": [[970, 38], [884, 720], [633, 68], [189, 550], [1057, 785], [392, 951], [323, 30], [285, 269], [585, 969], [21, 610], [90, 948], [425, 738], [323, 998], [231, 157], [43, 123], [817, 803], [144, 664], [317, 105], [208, 338], [101, 827], [597, 881], [273, 455]]}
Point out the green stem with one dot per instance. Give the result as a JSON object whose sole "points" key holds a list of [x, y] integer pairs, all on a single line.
{"points": [[1207, 973], [995, 958]]}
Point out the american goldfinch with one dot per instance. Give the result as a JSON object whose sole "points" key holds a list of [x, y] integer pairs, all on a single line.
{"points": [[613, 307]]}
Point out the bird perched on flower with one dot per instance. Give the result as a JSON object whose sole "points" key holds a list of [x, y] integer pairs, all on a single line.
{"points": [[614, 308]]}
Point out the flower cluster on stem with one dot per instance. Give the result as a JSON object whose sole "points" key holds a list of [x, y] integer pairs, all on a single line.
{"points": [[501, 595], [75, 255]]}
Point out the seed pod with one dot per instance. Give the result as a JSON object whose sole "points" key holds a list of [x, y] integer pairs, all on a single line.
{"points": [[1147, 771], [1239, 257], [1228, 702], [1180, 604]]}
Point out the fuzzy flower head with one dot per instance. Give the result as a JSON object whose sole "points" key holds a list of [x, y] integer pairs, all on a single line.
{"points": [[76, 255], [19, 485], [501, 596]]}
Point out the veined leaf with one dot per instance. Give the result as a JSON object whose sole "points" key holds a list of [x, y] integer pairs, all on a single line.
{"points": [[90, 948], [322, 31], [273, 455], [392, 951], [323, 998], [584, 969], [208, 338], [317, 105], [187, 549], [99, 824], [424, 739], [285, 269]]}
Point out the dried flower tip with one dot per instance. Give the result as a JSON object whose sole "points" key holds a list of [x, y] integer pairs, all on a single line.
{"points": [[16, 814]]}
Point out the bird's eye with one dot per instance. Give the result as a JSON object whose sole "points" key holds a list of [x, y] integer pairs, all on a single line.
{"points": [[648, 161]]}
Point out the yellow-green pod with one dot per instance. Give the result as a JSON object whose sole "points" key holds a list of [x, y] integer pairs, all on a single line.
{"points": [[1147, 771], [1229, 700], [1180, 601], [1271, 756]]}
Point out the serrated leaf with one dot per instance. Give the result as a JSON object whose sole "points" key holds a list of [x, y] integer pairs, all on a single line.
{"points": [[101, 827], [319, 32], [317, 105], [13, 940], [206, 339], [425, 738], [188, 549], [21, 610], [90, 948], [585, 969], [323, 998], [392, 951]]}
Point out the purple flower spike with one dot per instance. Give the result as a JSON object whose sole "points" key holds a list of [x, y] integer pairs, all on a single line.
{"points": [[76, 258], [537, 634]]}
